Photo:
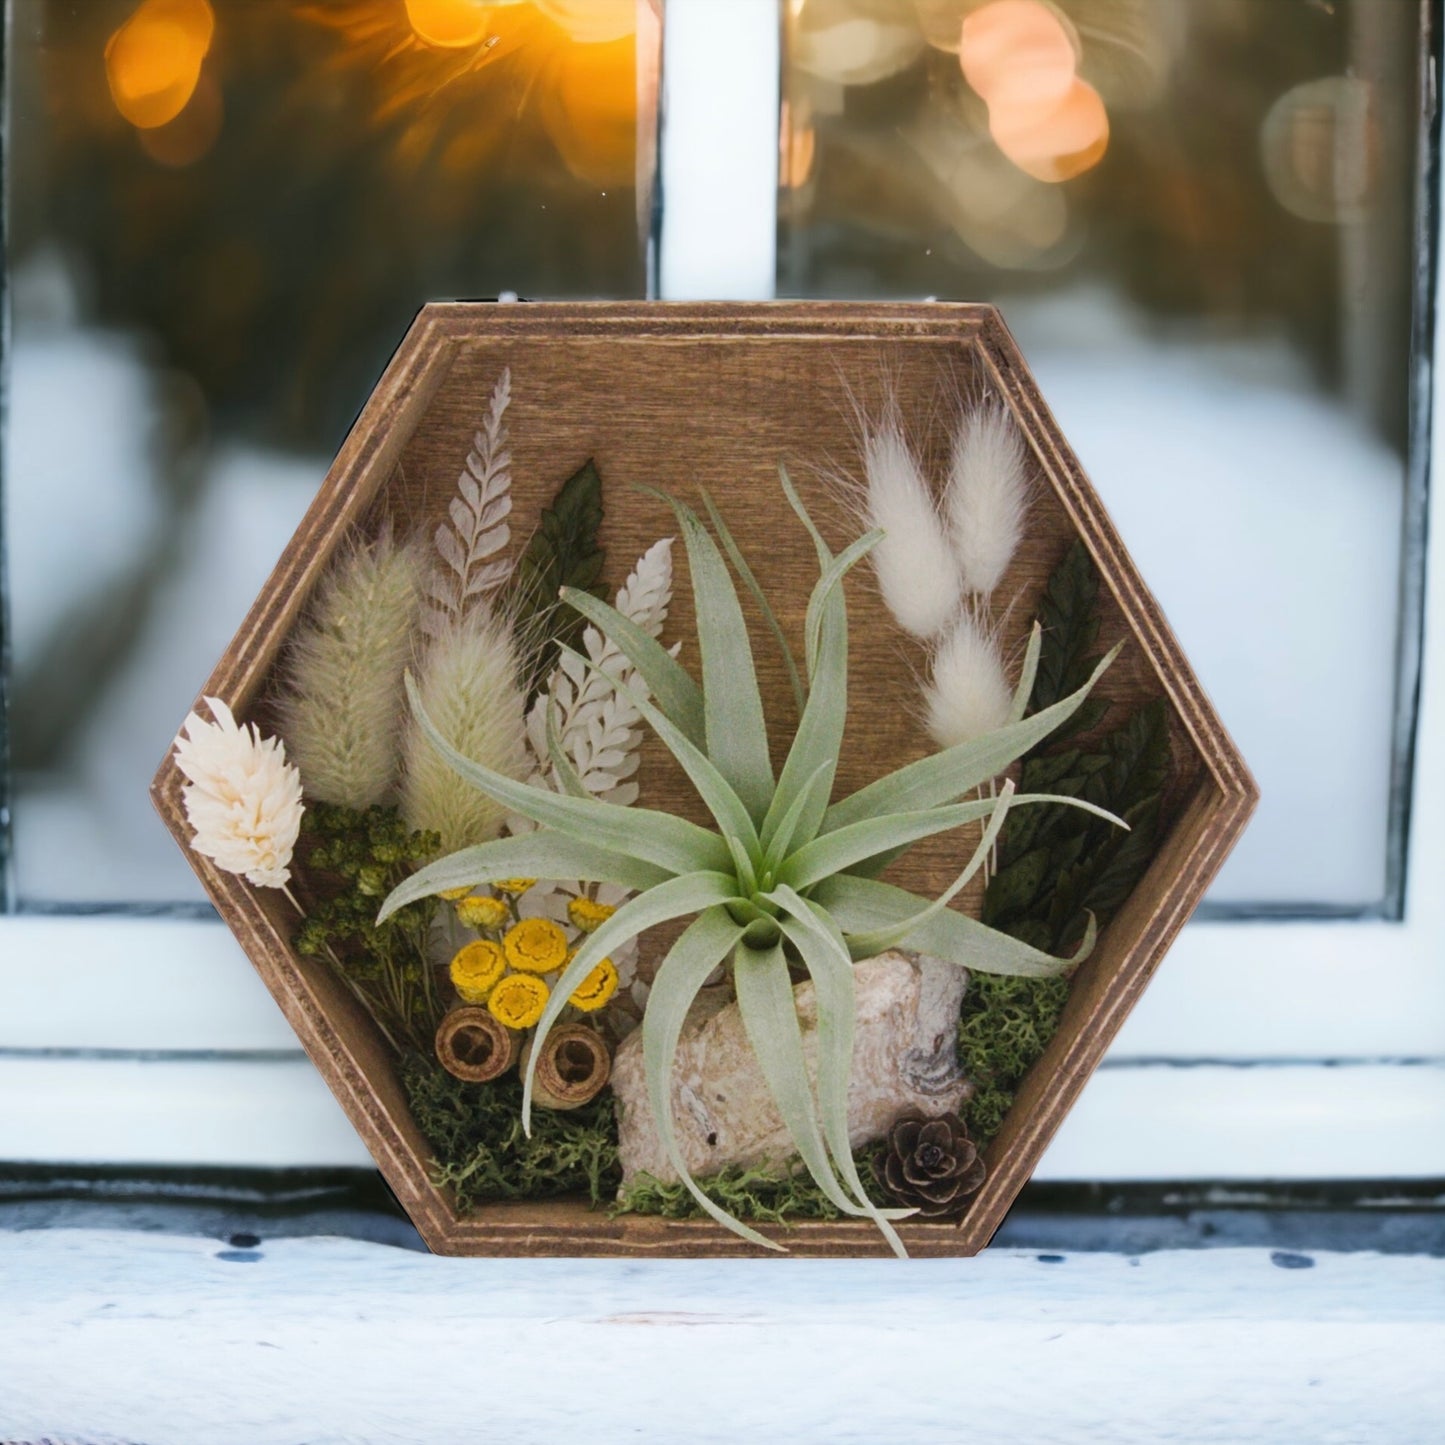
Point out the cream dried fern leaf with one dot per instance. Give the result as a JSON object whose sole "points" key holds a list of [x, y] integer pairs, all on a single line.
{"points": [[470, 570], [342, 704]]}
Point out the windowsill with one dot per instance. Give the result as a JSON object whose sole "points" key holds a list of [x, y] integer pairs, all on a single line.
{"points": [[134, 1332]]}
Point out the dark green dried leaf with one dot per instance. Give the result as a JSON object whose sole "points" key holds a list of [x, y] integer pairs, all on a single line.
{"points": [[562, 552]]}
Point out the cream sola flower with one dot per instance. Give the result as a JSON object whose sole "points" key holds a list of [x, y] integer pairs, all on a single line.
{"points": [[788, 876], [241, 796]]}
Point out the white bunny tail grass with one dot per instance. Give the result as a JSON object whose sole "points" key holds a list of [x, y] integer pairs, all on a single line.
{"points": [[968, 693], [468, 677], [342, 701], [987, 494], [917, 573]]}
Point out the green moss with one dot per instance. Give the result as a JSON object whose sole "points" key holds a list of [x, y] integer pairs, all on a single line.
{"points": [[756, 1194], [481, 1152], [1006, 1024]]}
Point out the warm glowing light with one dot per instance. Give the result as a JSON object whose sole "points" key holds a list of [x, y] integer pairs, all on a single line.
{"points": [[1017, 54], [184, 140], [153, 61], [797, 149], [588, 104], [1059, 145], [452, 24], [592, 22]]}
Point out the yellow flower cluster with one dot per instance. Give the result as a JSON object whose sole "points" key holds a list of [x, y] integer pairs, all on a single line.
{"points": [[506, 968]]}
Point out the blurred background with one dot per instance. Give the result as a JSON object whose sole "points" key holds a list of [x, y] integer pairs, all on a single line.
{"points": [[1200, 217]]}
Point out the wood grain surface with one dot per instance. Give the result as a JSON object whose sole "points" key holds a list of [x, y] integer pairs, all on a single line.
{"points": [[684, 397]]}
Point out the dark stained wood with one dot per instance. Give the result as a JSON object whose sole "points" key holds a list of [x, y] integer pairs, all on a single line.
{"points": [[689, 396]]}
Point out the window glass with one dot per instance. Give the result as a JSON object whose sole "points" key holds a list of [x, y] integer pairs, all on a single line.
{"points": [[1199, 218], [222, 216]]}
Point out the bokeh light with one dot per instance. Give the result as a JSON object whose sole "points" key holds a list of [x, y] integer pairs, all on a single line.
{"points": [[1060, 143], [592, 22], [153, 61], [453, 24]]}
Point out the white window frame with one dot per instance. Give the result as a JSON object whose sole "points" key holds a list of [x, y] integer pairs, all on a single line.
{"points": [[1289, 1049]]}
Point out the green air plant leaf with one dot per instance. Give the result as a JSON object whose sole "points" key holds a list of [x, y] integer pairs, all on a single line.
{"points": [[562, 552], [779, 882]]}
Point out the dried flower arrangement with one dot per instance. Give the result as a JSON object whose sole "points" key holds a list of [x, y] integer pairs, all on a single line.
{"points": [[494, 793], [623, 910]]}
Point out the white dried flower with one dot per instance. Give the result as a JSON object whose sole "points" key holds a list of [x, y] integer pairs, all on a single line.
{"points": [[243, 798], [917, 571], [967, 694], [987, 495], [468, 681], [343, 705]]}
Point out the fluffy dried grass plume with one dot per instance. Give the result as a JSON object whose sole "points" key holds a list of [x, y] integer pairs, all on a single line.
{"points": [[343, 702], [968, 693], [468, 679], [987, 495], [917, 572], [242, 797]]}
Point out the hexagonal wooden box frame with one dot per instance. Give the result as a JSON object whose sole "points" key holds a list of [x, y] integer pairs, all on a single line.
{"points": [[676, 395]]}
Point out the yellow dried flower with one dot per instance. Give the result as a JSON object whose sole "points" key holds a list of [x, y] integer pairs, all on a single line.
{"points": [[597, 988], [452, 894], [514, 886], [518, 1000], [476, 969], [482, 912], [588, 915], [535, 945]]}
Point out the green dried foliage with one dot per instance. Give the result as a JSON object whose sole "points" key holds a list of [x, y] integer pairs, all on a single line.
{"points": [[562, 552], [482, 1152], [1058, 870], [354, 859]]}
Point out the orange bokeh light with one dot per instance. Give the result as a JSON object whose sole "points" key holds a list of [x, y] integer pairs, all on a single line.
{"points": [[592, 22], [152, 63], [1017, 54], [588, 104], [451, 24], [1059, 145]]}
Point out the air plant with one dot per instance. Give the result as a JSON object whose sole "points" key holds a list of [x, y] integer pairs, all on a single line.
{"points": [[786, 878]]}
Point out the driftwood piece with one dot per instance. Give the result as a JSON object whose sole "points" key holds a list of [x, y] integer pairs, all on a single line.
{"points": [[905, 1056]]}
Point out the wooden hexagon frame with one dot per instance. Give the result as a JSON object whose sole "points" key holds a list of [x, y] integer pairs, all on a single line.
{"points": [[674, 395]]}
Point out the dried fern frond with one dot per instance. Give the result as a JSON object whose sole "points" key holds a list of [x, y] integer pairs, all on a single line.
{"points": [[987, 495], [967, 694], [343, 703], [469, 570], [468, 677], [917, 572]]}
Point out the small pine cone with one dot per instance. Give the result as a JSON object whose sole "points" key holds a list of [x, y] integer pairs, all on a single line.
{"points": [[932, 1165]]}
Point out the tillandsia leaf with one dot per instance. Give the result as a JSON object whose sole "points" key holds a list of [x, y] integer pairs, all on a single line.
{"points": [[894, 833], [566, 771], [808, 799], [704, 944], [677, 898], [819, 739], [823, 590], [735, 727], [876, 940], [825, 955], [740, 566], [770, 1018], [562, 552], [825, 553], [666, 678], [861, 905], [948, 775], [747, 872], [715, 791], [661, 838], [1027, 674], [529, 855]]}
